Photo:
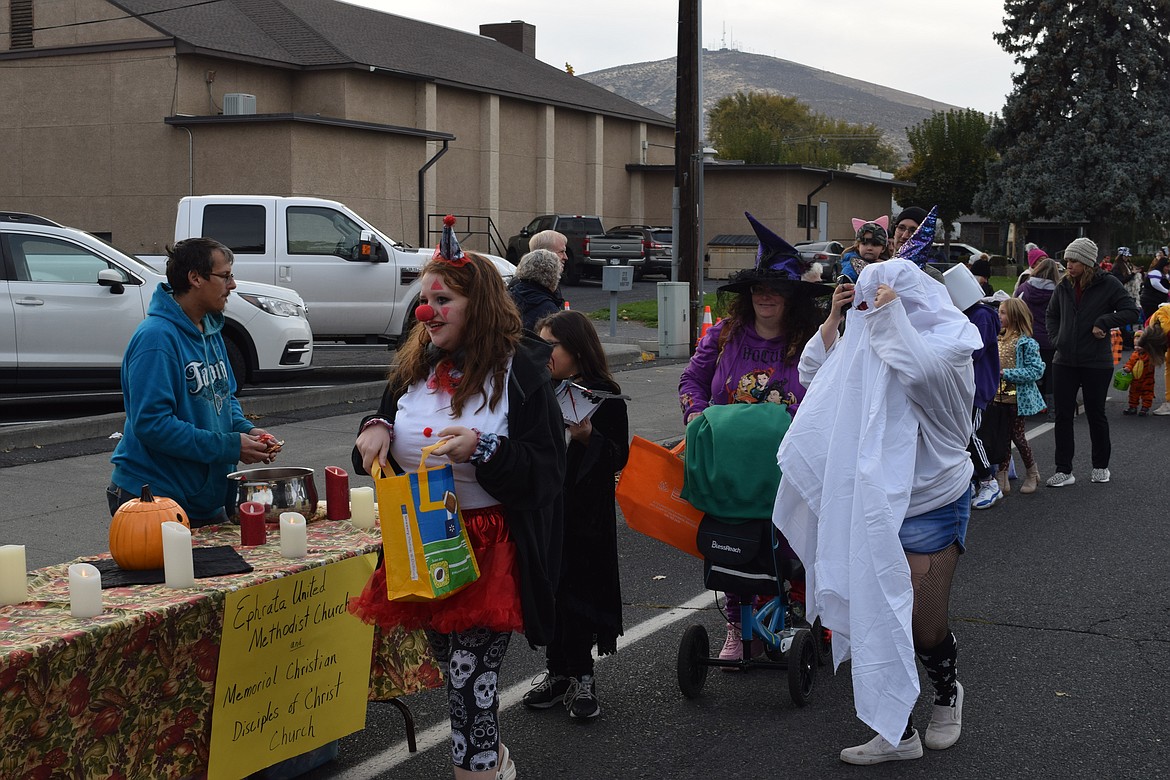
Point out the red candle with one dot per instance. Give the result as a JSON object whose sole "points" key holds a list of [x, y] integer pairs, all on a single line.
{"points": [[336, 493], [252, 531]]}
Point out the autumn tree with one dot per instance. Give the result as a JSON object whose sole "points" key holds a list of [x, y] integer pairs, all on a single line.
{"points": [[948, 157], [761, 128], [1084, 135]]}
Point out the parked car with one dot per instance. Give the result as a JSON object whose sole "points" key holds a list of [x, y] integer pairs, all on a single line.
{"points": [[827, 253], [70, 302], [657, 246], [575, 227], [959, 253]]}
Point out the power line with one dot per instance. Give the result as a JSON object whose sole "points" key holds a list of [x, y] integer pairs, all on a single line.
{"points": [[114, 18]]}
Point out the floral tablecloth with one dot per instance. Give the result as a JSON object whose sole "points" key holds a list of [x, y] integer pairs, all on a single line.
{"points": [[128, 694]]}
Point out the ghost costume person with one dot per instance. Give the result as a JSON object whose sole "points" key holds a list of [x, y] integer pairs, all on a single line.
{"points": [[875, 494]]}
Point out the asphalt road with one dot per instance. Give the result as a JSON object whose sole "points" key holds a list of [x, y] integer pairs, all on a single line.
{"points": [[1060, 606]]}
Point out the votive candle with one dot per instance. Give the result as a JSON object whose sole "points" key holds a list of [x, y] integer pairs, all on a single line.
{"points": [[294, 539], [178, 560], [336, 493], [85, 590], [13, 574], [361, 507], [252, 528]]}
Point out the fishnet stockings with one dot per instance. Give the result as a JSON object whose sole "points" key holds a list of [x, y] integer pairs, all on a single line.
{"points": [[931, 577]]}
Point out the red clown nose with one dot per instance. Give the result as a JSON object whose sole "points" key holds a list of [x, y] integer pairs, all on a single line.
{"points": [[424, 313]]}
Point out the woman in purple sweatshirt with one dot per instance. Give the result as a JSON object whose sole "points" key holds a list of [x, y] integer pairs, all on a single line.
{"points": [[751, 355]]}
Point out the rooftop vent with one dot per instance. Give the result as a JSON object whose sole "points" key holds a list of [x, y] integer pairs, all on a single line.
{"points": [[237, 103]]}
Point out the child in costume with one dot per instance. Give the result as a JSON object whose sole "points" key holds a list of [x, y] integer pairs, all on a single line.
{"points": [[1148, 350], [871, 246], [1018, 395]]}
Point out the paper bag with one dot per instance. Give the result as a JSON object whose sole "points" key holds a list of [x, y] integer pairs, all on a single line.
{"points": [[424, 543], [649, 495]]}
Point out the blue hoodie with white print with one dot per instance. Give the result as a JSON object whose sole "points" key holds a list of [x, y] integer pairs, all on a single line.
{"points": [[183, 422]]}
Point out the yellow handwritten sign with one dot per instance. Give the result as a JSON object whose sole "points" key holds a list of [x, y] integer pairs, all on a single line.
{"points": [[294, 668]]}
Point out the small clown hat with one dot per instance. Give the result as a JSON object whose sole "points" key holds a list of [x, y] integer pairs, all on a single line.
{"points": [[448, 248]]}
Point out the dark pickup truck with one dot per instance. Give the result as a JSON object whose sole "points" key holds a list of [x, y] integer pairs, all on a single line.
{"points": [[657, 246], [575, 227], [613, 248]]}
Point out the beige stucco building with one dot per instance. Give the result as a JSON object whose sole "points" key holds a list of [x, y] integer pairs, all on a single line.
{"points": [[115, 110]]}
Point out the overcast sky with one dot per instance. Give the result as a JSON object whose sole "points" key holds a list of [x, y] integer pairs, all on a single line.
{"points": [[942, 51]]}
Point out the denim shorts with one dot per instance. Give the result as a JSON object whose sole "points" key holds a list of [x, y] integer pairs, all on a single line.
{"points": [[937, 529]]}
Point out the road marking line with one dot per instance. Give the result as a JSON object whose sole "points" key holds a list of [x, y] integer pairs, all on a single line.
{"points": [[376, 765]]}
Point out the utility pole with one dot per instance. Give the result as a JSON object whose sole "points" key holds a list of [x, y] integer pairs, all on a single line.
{"points": [[688, 158]]}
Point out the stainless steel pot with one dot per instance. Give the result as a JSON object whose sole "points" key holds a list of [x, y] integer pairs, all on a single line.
{"points": [[278, 489]]}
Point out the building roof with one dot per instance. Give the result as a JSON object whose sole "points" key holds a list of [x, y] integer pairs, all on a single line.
{"points": [[314, 34]]}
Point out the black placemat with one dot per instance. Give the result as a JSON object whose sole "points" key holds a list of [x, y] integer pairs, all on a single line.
{"points": [[209, 562]]}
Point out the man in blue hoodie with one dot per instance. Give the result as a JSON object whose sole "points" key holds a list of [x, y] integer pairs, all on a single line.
{"points": [[184, 430]]}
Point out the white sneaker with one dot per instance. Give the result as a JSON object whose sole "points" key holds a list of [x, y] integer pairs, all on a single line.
{"points": [[945, 723], [1163, 410], [877, 750], [1100, 475], [505, 766], [1060, 479], [988, 496]]}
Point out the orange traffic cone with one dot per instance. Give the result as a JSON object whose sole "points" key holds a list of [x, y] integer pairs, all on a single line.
{"points": [[706, 322], [566, 305]]}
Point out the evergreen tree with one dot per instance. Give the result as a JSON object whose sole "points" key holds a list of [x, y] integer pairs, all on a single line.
{"points": [[1084, 133], [759, 128], [948, 159]]}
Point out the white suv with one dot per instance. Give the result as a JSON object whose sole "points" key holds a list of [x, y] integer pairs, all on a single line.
{"points": [[70, 302]]}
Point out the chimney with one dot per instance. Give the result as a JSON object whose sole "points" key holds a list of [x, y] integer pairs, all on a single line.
{"points": [[517, 33]]}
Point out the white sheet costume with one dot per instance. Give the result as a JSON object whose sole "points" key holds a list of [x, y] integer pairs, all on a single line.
{"points": [[881, 435]]}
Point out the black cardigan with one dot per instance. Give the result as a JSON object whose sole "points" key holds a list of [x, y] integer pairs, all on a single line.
{"points": [[526, 474]]}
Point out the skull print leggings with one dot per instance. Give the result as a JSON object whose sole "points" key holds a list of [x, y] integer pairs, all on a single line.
{"points": [[473, 665]]}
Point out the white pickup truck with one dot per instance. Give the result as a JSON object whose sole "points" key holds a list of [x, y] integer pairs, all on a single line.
{"points": [[359, 285]]}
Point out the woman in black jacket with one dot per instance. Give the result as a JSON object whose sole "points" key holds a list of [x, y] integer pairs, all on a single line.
{"points": [[536, 287], [467, 378], [589, 597], [1086, 305]]}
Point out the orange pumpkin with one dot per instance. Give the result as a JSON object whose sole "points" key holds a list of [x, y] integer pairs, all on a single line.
{"points": [[136, 530]]}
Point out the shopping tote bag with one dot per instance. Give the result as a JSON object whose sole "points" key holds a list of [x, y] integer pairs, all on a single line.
{"points": [[649, 495], [424, 544]]}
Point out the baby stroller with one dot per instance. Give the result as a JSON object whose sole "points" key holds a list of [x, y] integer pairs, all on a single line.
{"points": [[732, 476]]}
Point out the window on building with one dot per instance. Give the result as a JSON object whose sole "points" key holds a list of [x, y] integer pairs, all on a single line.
{"points": [[806, 217]]}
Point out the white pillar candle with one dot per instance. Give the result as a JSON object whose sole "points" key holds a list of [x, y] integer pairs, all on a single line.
{"points": [[178, 562], [294, 540], [13, 574], [85, 590], [361, 507]]}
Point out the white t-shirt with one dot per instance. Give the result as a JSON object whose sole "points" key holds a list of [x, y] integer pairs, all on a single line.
{"points": [[420, 409]]}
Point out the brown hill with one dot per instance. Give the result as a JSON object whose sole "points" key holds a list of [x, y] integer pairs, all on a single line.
{"points": [[652, 84]]}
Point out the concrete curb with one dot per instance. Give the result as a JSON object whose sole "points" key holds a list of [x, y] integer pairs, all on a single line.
{"points": [[101, 426]]}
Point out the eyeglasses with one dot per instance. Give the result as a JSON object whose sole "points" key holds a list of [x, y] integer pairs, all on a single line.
{"points": [[227, 277], [764, 289], [872, 242], [905, 228]]}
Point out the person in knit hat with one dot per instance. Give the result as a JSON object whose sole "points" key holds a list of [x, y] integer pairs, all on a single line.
{"points": [[1086, 305]]}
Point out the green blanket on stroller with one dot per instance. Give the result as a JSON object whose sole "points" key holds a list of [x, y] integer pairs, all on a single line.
{"points": [[731, 469]]}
